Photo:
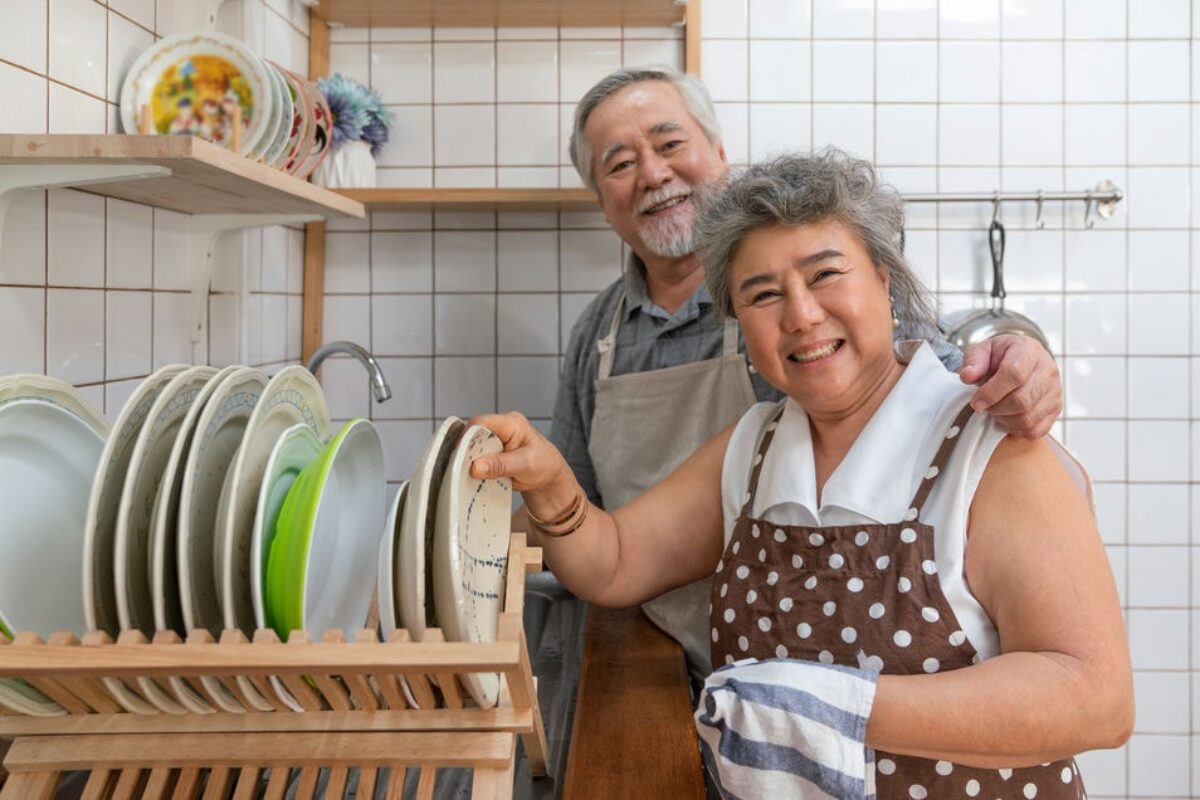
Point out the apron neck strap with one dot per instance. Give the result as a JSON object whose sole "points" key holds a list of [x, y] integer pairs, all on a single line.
{"points": [[608, 345], [939, 461], [729, 346], [764, 445]]}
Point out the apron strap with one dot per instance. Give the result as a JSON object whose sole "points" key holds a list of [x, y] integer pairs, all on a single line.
{"points": [[767, 436], [939, 461], [608, 345], [730, 343]]}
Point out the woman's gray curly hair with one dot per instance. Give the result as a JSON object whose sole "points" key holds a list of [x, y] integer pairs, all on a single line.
{"points": [[798, 190]]}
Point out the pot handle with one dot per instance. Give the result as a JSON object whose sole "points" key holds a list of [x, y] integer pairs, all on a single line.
{"points": [[996, 240]]}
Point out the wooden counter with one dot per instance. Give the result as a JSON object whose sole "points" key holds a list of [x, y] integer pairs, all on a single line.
{"points": [[633, 734]]}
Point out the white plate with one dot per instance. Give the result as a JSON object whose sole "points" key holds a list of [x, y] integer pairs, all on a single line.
{"points": [[17, 695], [164, 568], [48, 456], [293, 397], [344, 540], [159, 79], [389, 573], [385, 586], [52, 390], [296, 448], [216, 440], [152, 449], [285, 112], [414, 581], [470, 549], [99, 595]]}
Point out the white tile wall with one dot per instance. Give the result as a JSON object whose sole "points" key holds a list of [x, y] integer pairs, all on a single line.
{"points": [[471, 311], [94, 290], [950, 95]]}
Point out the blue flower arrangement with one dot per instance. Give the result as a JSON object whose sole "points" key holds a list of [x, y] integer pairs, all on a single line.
{"points": [[358, 113]]}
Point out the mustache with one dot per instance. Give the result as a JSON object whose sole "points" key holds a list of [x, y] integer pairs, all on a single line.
{"points": [[661, 196]]}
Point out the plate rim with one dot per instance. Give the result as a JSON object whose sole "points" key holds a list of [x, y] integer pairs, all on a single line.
{"points": [[424, 508], [242, 376], [484, 687], [122, 537], [127, 99], [152, 385]]}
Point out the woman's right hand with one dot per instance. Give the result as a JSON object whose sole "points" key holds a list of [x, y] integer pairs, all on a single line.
{"points": [[536, 467]]}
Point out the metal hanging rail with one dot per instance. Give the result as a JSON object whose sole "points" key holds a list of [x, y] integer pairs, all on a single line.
{"points": [[1103, 199]]}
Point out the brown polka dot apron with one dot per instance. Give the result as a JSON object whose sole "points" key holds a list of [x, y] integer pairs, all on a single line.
{"points": [[865, 596]]}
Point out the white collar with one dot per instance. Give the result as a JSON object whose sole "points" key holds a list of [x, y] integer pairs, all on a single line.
{"points": [[876, 477]]}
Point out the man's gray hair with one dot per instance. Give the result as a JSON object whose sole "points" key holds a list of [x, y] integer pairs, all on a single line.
{"points": [[695, 99], [796, 190]]}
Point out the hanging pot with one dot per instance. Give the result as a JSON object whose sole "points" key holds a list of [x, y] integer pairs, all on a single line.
{"points": [[986, 323]]}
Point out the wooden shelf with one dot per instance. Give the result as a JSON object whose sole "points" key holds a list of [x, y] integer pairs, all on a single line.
{"points": [[488, 13], [203, 179], [507, 199]]}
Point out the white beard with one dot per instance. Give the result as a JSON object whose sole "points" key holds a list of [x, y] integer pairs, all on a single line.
{"points": [[671, 237]]}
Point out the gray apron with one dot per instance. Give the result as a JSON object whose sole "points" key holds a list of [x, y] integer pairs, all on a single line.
{"points": [[644, 426]]}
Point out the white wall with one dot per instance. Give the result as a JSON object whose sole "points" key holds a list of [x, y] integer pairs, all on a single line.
{"points": [[956, 95], [471, 311], [94, 290]]}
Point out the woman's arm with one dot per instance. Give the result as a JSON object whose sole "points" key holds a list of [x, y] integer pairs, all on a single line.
{"points": [[1063, 683], [670, 536]]}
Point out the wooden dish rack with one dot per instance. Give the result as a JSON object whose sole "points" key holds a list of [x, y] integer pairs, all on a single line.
{"points": [[355, 714]]}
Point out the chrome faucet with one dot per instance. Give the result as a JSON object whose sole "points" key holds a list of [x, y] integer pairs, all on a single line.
{"points": [[379, 385]]}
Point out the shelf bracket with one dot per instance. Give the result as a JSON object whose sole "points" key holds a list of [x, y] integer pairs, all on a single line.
{"points": [[19, 177], [203, 231]]}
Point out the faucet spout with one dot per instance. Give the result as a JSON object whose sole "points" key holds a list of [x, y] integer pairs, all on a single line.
{"points": [[379, 385]]}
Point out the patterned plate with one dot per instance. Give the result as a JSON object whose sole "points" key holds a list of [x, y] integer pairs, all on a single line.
{"points": [[193, 82]]}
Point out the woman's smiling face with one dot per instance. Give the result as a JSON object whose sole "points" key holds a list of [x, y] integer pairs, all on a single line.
{"points": [[815, 312]]}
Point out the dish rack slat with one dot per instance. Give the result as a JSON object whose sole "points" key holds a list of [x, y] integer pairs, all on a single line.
{"points": [[172, 719]]}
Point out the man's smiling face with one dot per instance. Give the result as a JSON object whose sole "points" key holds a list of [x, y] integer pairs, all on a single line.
{"points": [[648, 157]]}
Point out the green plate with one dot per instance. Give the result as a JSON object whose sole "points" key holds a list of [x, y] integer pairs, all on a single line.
{"points": [[327, 537]]}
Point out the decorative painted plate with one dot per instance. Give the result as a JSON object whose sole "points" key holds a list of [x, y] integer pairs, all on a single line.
{"points": [[322, 119], [300, 140], [284, 110], [193, 82], [470, 550]]}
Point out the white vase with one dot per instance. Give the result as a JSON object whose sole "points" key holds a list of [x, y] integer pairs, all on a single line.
{"points": [[351, 167]]}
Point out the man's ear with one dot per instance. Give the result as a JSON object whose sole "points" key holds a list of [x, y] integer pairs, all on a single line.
{"points": [[721, 150]]}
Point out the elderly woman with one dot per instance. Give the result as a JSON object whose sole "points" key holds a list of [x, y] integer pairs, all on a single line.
{"points": [[870, 519]]}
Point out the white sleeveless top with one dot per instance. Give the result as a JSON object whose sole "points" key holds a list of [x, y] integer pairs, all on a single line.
{"points": [[879, 475]]}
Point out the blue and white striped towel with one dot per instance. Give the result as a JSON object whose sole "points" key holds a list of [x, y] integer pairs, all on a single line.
{"points": [[788, 728]]}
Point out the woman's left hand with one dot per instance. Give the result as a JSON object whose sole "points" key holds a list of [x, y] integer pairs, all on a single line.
{"points": [[1021, 387]]}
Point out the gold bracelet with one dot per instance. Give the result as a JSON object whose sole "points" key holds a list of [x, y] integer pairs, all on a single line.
{"points": [[574, 526], [566, 517]]}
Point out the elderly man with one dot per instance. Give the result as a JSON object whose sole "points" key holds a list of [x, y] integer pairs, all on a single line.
{"points": [[652, 370]]}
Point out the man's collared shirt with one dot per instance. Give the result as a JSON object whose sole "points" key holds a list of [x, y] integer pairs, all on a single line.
{"points": [[649, 338]]}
